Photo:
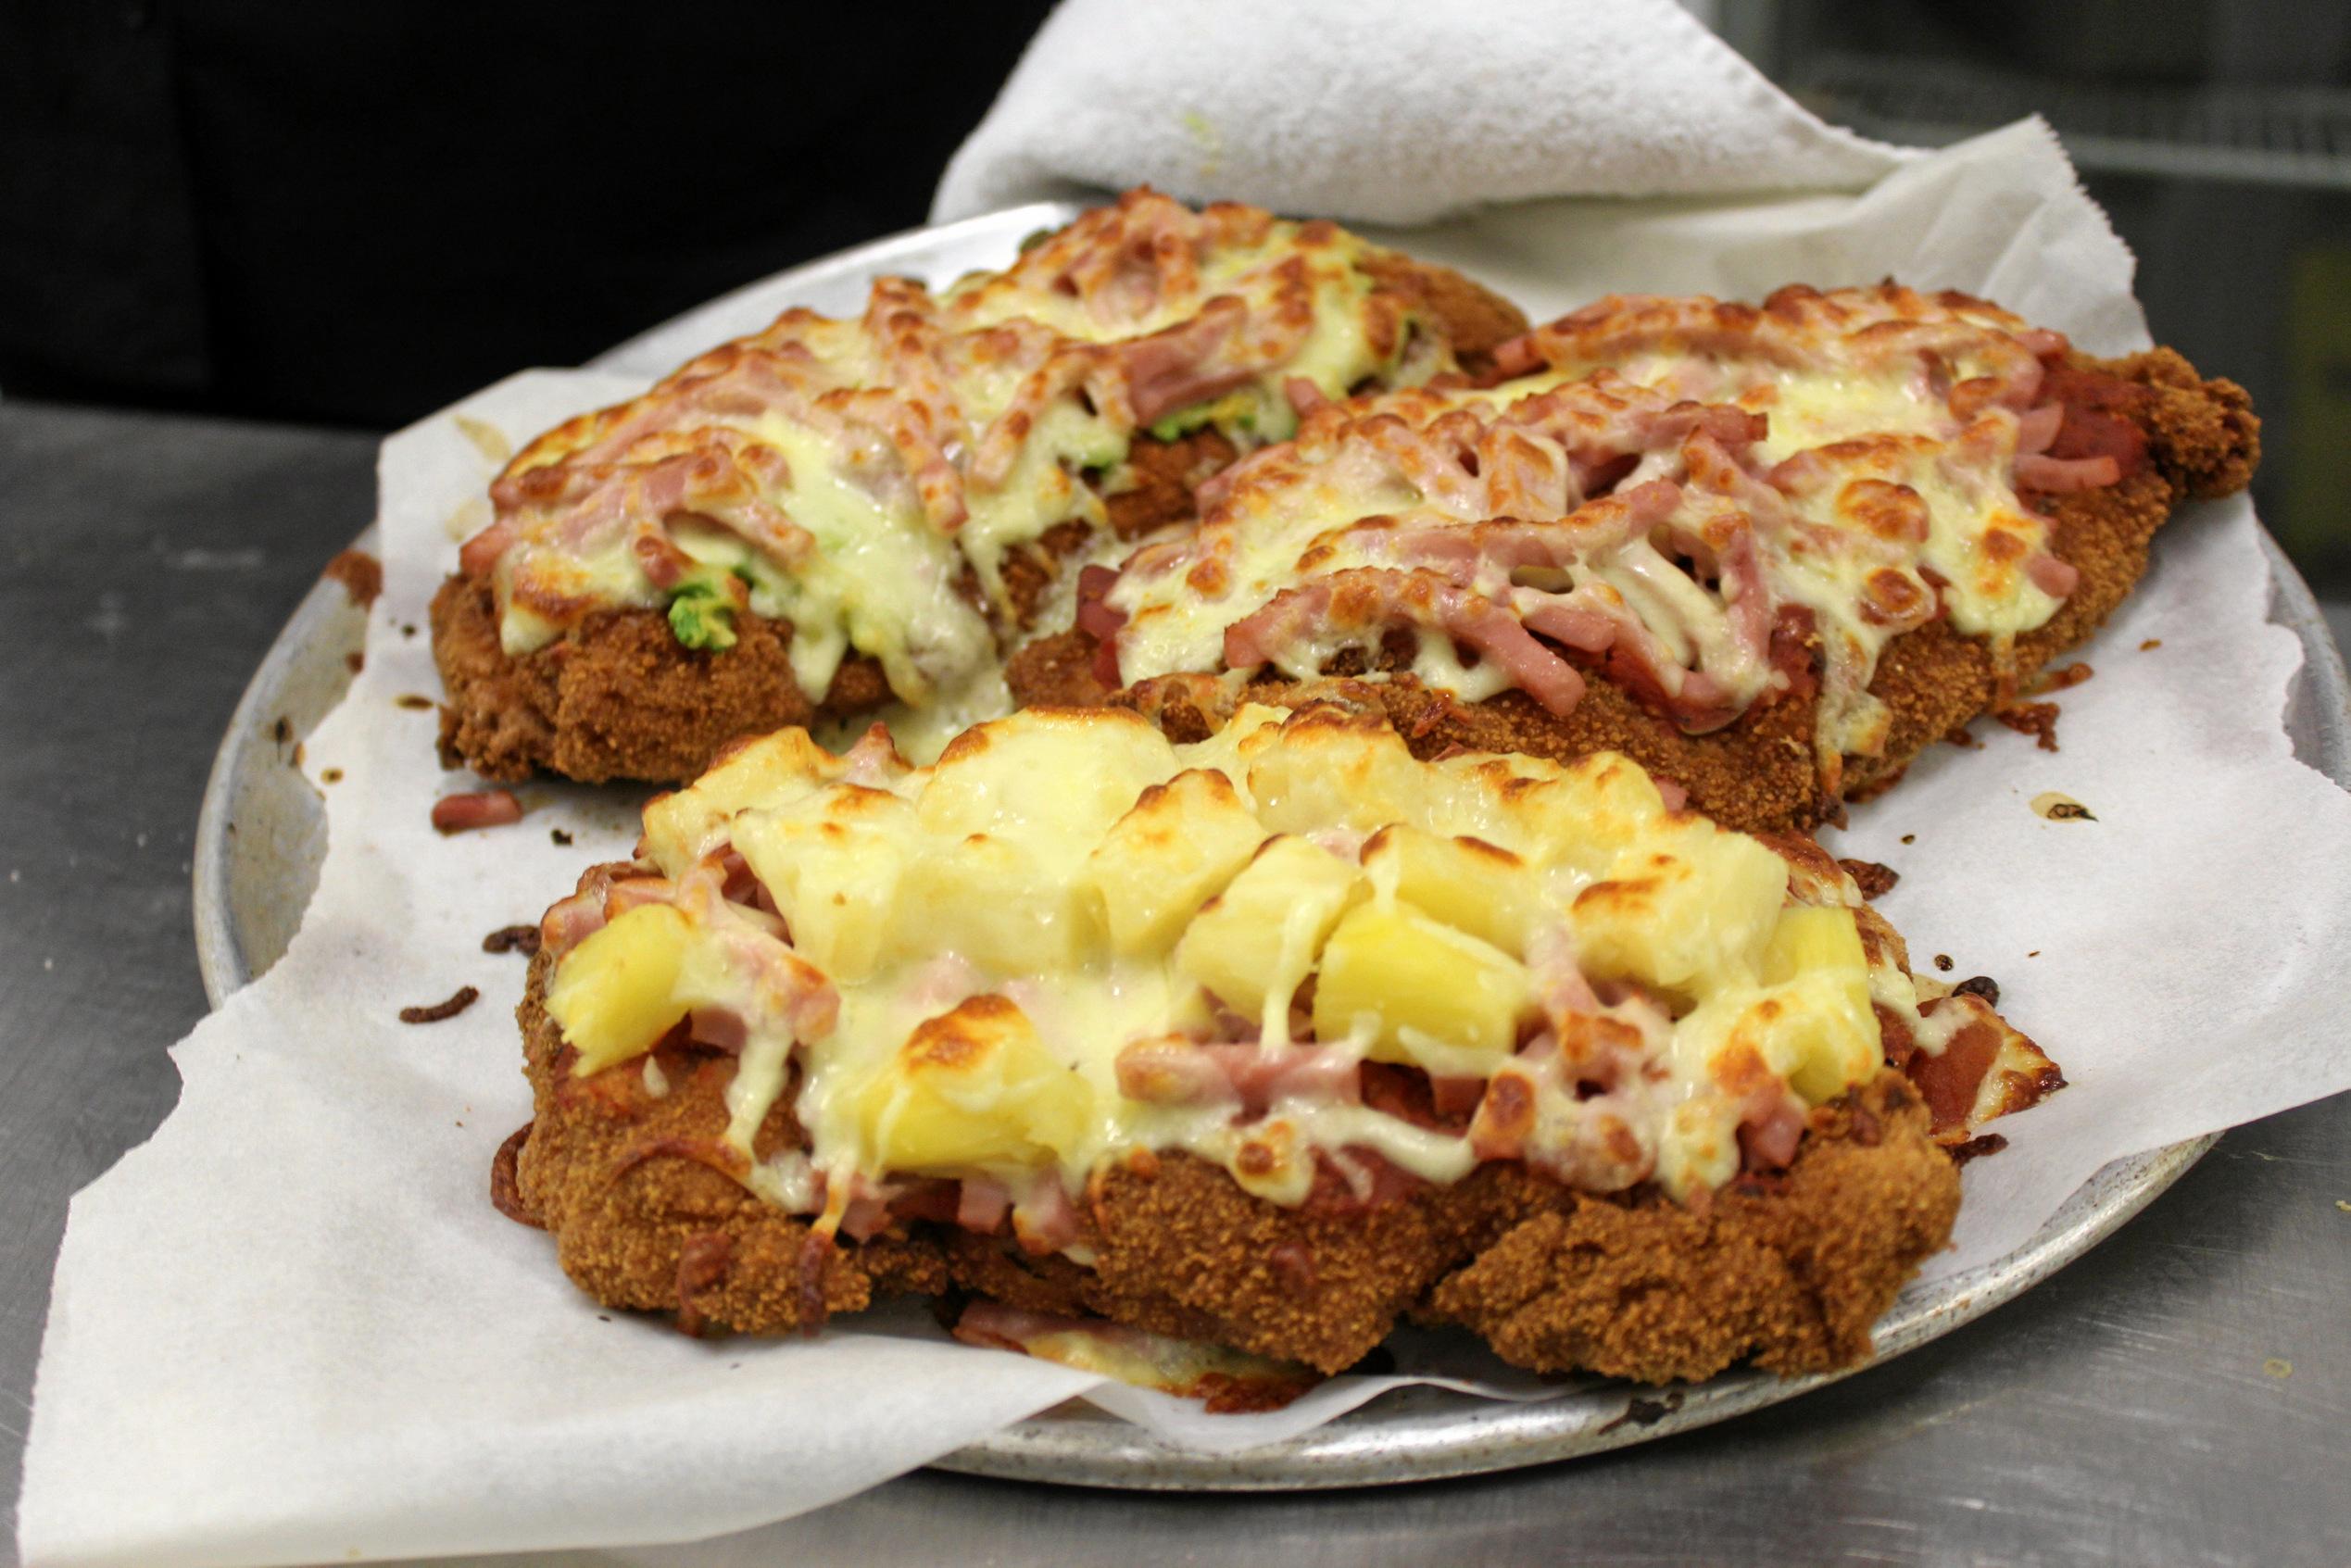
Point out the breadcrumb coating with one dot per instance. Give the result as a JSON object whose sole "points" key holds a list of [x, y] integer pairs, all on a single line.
{"points": [[618, 697], [634, 1188], [1790, 1270]]}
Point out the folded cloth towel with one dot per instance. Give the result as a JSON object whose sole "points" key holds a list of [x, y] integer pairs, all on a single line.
{"points": [[1391, 111]]}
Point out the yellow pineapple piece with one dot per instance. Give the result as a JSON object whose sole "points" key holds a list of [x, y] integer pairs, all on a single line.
{"points": [[1433, 995], [1177, 849], [772, 771], [616, 992], [1333, 769], [1812, 937], [997, 902], [1830, 1040], [1686, 903], [1466, 883], [1261, 934], [973, 1089], [1595, 811], [1054, 779], [832, 863]]}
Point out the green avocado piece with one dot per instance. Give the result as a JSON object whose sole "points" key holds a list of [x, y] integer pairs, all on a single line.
{"points": [[702, 616], [1235, 411]]}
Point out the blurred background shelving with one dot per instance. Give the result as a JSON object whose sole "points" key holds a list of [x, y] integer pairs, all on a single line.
{"points": [[2215, 132]]}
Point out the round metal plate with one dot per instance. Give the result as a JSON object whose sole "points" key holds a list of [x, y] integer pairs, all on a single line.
{"points": [[261, 836]]}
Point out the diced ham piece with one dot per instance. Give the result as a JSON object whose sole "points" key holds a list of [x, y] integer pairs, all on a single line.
{"points": [[2053, 577], [1455, 1097], [720, 1028], [571, 922], [867, 1214], [476, 809], [2060, 476], [1099, 621], [982, 1204], [2037, 430], [1304, 396], [626, 894], [1047, 1221], [1772, 1128], [480, 553]]}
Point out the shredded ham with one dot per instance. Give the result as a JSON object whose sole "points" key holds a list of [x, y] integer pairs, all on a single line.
{"points": [[2059, 476], [476, 809], [1364, 598]]}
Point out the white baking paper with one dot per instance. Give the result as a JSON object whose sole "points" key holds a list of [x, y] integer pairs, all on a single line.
{"points": [[291, 1329]]}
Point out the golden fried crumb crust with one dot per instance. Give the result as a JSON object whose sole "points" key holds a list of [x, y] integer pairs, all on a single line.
{"points": [[1475, 320], [1759, 773], [1790, 1270], [619, 698], [631, 1185]]}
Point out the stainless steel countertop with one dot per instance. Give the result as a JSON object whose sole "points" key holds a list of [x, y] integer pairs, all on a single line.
{"points": [[2181, 1396]]}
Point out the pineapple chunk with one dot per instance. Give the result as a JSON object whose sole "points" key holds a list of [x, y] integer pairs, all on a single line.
{"points": [[774, 770], [832, 863], [1419, 981], [1592, 812], [1177, 849], [974, 1089], [1334, 771], [994, 900], [1465, 883], [1260, 935], [616, 992], [1687, 903], [1831, 1037], [1055, 780], [1246, 735], [1811, 938]]}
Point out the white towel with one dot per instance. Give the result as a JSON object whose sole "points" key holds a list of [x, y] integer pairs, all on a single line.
{"points": [[1391, 111]]}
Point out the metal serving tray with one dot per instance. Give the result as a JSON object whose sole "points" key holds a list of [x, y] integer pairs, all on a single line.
{"points": [[261, 836]]}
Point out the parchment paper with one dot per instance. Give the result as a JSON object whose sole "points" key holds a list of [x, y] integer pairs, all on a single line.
{"points": [[290, 1328]]}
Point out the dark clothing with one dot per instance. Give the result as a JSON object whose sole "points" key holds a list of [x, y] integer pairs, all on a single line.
{"points": [[358, 211]]}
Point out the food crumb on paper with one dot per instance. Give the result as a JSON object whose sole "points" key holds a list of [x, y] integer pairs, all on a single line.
{"points": [[2060, 808], [524, 939], [466, 997], [1943, 963], [2151, 644], [2278, 1366]]}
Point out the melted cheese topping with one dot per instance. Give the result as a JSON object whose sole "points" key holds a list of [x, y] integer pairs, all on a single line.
{"points": [[869, 480], [1675, 477], [1069, 941]]}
